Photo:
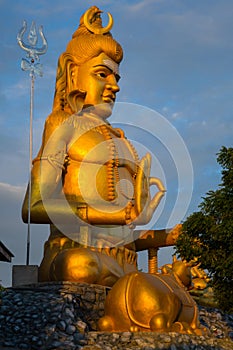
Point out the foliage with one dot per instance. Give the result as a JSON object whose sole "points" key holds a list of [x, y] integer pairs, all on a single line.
{"points": [[1, 290], [208, 234]]}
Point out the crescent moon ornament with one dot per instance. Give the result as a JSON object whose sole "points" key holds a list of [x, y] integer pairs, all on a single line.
{"points": [[87, 22]]}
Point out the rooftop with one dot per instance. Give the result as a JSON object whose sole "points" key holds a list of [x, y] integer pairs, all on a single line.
{"points": [[5, 254]]}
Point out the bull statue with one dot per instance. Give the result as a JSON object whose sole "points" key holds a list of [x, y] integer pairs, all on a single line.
{"points": [[152, 302]]}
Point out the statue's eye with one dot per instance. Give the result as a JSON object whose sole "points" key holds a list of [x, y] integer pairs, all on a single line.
{"points": [[117, 77], [102, 74]]}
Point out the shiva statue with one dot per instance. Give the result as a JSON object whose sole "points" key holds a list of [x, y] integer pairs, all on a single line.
{"points": [[89, 185], [86, 163]]}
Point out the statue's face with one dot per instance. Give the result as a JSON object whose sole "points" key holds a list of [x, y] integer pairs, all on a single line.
{"points": [[98, 77]]}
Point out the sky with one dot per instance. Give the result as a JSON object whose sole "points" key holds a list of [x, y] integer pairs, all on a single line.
{"points": [[175, 99]]}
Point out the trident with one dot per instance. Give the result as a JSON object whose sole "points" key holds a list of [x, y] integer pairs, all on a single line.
{"points": [[34, 68]]}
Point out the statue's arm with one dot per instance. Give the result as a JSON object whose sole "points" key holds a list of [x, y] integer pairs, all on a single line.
{"points": [[46, 204]]}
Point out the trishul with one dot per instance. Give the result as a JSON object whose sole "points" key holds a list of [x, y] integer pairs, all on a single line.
{"points": [[33, 52], [33, 68]]}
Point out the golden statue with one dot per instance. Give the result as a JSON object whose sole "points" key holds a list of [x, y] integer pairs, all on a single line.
{"points": [[88, 169], [152, 302], [201, 291], [87, 180]]}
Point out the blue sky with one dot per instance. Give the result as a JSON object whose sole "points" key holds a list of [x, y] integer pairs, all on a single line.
{"points": [[178, 61]]}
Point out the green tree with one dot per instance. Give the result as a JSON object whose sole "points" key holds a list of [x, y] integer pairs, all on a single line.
{"points": [[208, 234]]}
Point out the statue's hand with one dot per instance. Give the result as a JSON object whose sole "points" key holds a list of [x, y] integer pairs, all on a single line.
{"points": [[159, 195], [145, 216], [144, 205]]}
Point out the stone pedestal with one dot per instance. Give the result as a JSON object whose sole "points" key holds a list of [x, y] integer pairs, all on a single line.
{"points": [[53, 315], [24, 274], [64, 315]]}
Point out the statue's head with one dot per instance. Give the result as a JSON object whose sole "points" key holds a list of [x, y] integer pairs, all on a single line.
{"points": [[88, 71], [182, 271]]}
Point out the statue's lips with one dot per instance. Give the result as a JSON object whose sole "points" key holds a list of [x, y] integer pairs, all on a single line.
{"points": [[108, 99]]}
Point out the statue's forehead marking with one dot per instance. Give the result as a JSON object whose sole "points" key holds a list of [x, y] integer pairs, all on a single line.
{"points": [[112, 65]]}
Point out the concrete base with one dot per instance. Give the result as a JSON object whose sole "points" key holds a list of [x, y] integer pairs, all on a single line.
{"points": [[24, 274]]}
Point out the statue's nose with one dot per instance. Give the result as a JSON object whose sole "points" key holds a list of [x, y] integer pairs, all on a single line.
{"points": [[112, 84]]}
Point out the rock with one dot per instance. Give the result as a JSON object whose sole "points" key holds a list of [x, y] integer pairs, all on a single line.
{"points": [[115, 336], [50, 317], [9, 343], [24, 346], [16, 329], [77, 337], [55, 344], [167, 339], [173, 347], [70, 329], [61, 325], [90, 296], [69, 298], [126, 334], [81, 326], [68, 313], [141, 343]]}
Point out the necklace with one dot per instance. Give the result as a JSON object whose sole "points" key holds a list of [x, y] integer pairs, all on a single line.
{"points": [[113, 164]]}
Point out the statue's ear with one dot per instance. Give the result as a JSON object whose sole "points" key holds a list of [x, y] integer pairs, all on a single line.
{"points": [[75, 96], [76, 99], [71, 75]]}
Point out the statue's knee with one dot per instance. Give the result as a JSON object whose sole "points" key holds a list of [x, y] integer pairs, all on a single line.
{"points": [[106, 324], [77, 265], [158, 323]]}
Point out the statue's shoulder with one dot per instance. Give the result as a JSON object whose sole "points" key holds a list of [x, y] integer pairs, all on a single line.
{"points": [[56, 118], [84, 123], [79, 122], [61, 119]]}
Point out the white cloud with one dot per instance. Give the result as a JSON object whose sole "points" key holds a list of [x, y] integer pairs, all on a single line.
{"points": [[176, 115], [18, 89], [14, 190], [142, 5]]}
